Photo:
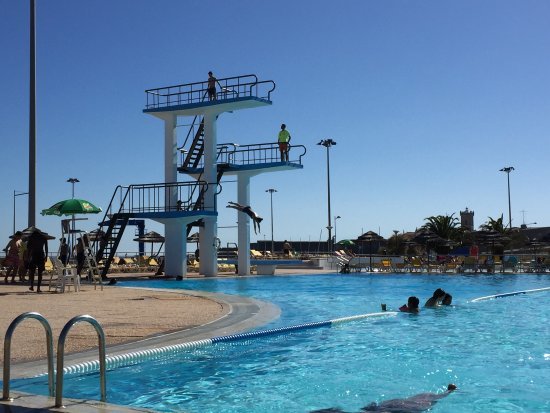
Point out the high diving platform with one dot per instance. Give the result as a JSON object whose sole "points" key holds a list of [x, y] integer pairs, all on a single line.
{"points": [[182, 205], [190, 99]]}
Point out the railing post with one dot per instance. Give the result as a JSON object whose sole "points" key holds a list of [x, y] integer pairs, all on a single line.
{"points": [[61, 356], [7, 351]]}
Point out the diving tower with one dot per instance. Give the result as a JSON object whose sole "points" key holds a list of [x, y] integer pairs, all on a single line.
{"points": [[201, 157]]}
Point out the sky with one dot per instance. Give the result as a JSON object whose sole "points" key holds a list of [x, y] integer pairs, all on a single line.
{"points": [[427, 101]]}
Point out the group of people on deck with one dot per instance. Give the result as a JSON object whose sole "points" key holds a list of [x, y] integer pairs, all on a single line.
{"points": [[24, 256], [28, 255], [438, 298]]}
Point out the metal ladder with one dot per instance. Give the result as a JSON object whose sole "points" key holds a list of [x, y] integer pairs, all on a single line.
{"points": [[58, 392], [91, 264]]}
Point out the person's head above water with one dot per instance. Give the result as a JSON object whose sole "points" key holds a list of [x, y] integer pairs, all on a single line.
{"points": [[451, 387], [439, 293], [447, 299], [413, 303]]}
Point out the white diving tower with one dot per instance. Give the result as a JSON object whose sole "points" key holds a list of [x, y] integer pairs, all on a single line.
{"points": [[201, 157]]}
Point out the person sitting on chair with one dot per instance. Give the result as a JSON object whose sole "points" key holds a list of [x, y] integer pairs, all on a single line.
{"points": [[248, 211]]}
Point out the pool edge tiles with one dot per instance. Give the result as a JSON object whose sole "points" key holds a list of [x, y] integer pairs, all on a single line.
{"points": [[150, 354]]}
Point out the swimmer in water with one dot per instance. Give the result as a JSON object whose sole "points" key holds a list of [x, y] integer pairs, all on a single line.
{"points": [[414, 404]]}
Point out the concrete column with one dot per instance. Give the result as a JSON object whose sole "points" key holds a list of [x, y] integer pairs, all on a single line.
{"points": [[175, 251], [243, 224], [174, 244], [208, 264]]}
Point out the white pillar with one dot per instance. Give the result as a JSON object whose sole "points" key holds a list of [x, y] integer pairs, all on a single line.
{"points": [[175, 251], [243, 224], [174, 245], [208, 264]]}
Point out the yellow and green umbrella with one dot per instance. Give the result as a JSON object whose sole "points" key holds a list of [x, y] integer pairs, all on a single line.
{"points": [[72, 206]]}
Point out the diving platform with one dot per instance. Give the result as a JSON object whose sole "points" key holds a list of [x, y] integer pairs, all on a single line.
{"points": [[177, 205], [234, 159], [191, 99], [201, 157]]}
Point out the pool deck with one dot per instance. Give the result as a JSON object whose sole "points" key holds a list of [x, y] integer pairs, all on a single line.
{"points": [[239, 314]]}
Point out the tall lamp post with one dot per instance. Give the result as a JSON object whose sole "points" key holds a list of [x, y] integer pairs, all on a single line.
{"points": [[32, 116], [507, 170], [271, 190], [327, 143], [335, 218], [72, 181], [16, 194]]}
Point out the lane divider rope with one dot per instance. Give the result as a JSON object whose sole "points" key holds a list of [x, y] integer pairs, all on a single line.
{"points": [[151, 354], [490, 297]]}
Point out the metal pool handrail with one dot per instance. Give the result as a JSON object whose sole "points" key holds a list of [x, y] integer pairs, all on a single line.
{"points": [[61, 356], [7, 351]]}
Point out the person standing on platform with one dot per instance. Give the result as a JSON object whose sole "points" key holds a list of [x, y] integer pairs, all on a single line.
{"points": [[211, 89], [284, 141]]}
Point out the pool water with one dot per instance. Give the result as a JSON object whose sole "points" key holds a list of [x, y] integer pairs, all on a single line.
{"points": [[497, 352]]}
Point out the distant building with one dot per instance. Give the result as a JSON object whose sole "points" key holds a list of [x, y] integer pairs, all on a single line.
{"points": [[467, 219]]}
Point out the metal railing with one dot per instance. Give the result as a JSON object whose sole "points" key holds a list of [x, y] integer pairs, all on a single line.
{"points": [[156, 197], [61, 357], [225, 151], [254, 154], [7, 351], [190, 93]]}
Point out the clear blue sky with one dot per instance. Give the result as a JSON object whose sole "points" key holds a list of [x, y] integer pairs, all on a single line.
{"points": [[426, 100]]}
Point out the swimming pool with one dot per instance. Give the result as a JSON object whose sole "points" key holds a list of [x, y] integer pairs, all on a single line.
{"points": [[496, 351]]}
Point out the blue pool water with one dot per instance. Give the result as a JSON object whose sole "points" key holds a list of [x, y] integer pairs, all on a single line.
{"points": [[496, 351]]}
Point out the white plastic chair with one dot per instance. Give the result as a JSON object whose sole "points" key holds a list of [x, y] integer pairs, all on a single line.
{"points": [[66, 276]]}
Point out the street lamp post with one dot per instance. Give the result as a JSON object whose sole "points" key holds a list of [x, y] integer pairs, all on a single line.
{"points": [[327, 143], [271, 190], [507, 170], [335, 218], [72, 181], [16, 194]]}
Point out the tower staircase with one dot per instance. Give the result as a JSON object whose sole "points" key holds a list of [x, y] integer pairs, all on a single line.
{"points": [[152, 201], [196, 149]]}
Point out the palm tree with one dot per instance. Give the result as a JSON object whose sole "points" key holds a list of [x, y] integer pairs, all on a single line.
{"points": [[444, 226], [496, 225]]}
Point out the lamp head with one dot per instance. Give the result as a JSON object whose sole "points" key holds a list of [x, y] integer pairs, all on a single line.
{"points": [[327, 143]]}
